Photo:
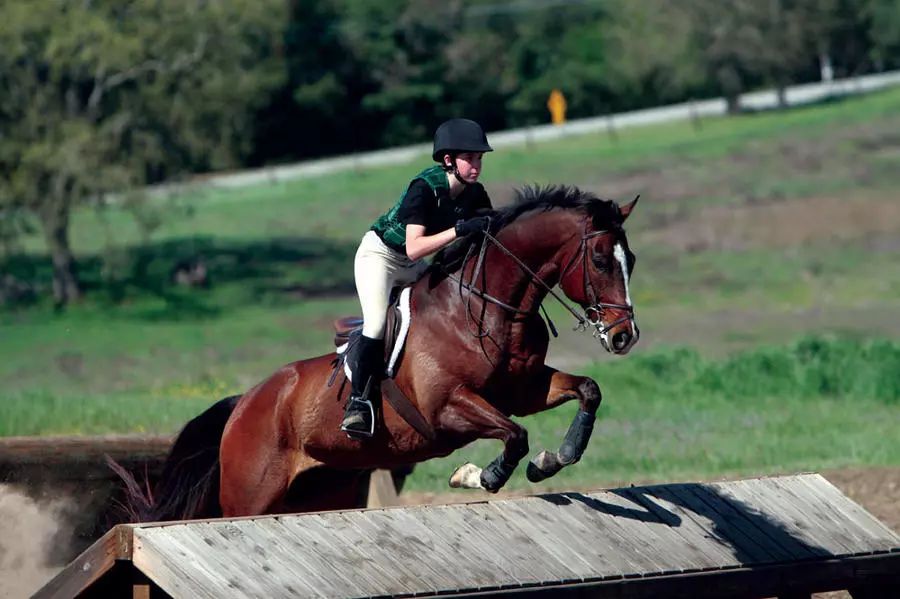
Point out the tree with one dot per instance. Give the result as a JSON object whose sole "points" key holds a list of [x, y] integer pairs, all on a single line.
{"points": [[654, 51], [104, 96]]}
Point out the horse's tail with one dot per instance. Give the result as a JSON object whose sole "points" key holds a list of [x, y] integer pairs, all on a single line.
{"points": [[189, 485]]}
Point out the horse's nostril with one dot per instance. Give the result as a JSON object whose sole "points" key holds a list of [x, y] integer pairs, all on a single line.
{"points": [[620, 340]]}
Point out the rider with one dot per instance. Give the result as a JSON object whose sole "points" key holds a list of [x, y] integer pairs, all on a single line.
{"points": [[442, 203]]}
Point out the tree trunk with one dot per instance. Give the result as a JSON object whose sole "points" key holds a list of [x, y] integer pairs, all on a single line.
{"points": [[781, 92], [731, 84], [65, 274]]}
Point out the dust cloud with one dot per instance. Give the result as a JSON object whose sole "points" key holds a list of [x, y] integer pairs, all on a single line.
{"points": [[28, 536]]}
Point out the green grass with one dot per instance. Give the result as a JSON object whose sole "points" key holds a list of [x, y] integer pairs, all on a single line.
{"points": [[140, 354], [672, 414]]}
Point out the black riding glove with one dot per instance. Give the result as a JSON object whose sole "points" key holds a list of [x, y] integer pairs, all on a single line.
{"points": [[473, 225]]}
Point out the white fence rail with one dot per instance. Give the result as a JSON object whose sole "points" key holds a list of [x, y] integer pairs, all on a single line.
{"points": [[796, 95]]}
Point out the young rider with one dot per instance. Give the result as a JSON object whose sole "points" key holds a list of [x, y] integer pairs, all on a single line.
{"points": [[442, 203]]}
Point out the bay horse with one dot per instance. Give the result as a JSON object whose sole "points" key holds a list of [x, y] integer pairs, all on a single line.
{"points": [[474, 356]]}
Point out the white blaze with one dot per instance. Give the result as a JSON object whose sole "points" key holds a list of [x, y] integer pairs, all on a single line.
{"points": [[619, 253]]}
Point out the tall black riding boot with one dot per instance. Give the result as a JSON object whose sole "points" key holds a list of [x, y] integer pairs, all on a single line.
{"points": [[368, 369]]}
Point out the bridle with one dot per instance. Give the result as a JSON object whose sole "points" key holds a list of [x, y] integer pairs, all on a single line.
{"points": [[593, 314]]}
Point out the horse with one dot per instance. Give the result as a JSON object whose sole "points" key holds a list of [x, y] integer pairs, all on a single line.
{"points": [[474, 357]]}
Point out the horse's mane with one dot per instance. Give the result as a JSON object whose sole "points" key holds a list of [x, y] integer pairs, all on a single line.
{"points": [[604, 214]]}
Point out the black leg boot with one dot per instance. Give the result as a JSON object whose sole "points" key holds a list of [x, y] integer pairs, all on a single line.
{"points": [[359, 417]]}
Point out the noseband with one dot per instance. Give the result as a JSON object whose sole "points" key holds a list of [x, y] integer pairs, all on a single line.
{"points": [[593, 314]]}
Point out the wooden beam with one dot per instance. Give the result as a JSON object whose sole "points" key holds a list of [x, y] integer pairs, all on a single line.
{"points": [[91, 565], [382, 492]]}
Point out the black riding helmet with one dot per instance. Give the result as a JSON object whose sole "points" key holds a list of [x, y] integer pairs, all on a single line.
{"points": [[459, 135]]}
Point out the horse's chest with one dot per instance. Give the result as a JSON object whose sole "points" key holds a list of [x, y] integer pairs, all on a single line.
{"points": [[525, 365]]}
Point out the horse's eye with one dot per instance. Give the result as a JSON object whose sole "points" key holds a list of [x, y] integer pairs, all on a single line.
{"points": [[600, 262]]}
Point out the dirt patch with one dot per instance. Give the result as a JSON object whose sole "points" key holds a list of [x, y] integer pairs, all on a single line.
{"points": [[30, 531], [783, 224]]}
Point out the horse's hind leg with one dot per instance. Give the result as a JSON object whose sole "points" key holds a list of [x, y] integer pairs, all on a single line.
{"points": [[470, 415], [561, 387]]}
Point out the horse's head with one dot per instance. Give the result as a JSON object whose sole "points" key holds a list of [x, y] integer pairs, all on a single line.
{"points": [[596, 273]]}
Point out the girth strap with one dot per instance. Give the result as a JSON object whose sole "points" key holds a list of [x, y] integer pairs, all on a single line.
{"points": [[406, 409]]}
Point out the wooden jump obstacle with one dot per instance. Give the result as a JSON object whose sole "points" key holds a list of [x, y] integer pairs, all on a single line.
{"points": [[783, 536]]}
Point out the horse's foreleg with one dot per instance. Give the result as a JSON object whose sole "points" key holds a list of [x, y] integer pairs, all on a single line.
{"points": [[561, 387], [470, 415]]}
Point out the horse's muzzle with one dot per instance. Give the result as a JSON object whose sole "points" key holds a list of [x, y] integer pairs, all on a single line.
{"points": [[620, 341]]}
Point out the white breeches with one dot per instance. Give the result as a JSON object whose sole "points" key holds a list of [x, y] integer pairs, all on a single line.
{"points": [[377, 269]]}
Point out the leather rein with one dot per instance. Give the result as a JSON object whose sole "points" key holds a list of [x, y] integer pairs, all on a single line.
{"points": [[593, 314]]}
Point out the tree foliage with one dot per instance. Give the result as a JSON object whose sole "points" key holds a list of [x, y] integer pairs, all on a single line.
{"points": [[103, 96], [106, 96]]}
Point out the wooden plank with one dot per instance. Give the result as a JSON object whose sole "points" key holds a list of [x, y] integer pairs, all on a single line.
{"points": [[842, 532], [771, 550], [464, 553], [758, 525], [468, 541], [570, 566], [284, 550], [375, 542], [689, 535], [522, 549], [383, 526], [91, 565], [805, 522], [434, 550], [370, 548], [569, 530], [739, 583], [349, 553], [605, 536], [613, 537], [744, 549], [219, 563], [770, 517], [731, 539], [705, 549], [877, 535], [174, 569], [259, 558], [526, 558], [344, 562], [672, 529]]}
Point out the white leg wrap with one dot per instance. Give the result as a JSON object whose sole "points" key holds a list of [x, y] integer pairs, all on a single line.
{"points": [[467, 476]]}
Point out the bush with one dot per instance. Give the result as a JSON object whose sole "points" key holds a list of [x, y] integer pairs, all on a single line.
{"points": [[811, 367]]}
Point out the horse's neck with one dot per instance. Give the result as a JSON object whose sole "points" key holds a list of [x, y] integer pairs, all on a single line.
{"points": [[540, 243]]}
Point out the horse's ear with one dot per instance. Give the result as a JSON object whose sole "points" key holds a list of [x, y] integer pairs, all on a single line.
{"points": [[627, 208]]}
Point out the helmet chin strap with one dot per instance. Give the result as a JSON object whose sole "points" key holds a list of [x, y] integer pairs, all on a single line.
{"points": [[455, 170]]}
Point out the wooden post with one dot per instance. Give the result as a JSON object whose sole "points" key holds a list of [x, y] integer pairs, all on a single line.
{"points": [[382, 492]]}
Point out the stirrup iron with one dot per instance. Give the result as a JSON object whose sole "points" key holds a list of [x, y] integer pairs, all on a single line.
{"points": [[358, 408]]}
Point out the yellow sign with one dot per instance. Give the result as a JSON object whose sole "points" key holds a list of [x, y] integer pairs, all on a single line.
{"points": [[556, 104]]}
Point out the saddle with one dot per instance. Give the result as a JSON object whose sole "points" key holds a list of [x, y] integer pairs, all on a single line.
{"points": [[347, 331]]}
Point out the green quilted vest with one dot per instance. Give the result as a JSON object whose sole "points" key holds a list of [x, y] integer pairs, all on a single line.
{"points": [[389, 228]]}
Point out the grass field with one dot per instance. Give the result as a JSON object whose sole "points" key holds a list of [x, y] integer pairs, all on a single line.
{"points": [[752, 231]]}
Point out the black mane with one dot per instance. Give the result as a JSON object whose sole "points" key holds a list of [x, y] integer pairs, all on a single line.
{"points": [[604, 214]]}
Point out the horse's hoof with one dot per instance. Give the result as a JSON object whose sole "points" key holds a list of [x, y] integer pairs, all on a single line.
{"points": [[467, 476], [542, 466]]}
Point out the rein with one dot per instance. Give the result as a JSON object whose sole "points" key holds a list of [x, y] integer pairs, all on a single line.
{"points": [[593, 314]]}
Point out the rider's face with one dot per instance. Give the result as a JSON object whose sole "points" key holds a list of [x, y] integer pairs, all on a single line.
{"points": [[469, 165]]}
